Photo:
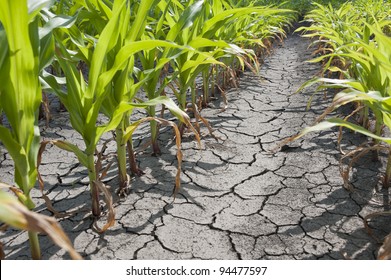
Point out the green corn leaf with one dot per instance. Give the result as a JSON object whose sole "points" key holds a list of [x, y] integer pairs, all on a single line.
{"points": [[46, 39], [336, 122], [193, 64], [50, 81], [126, 52], [131, 129], [108, 38], [169, 103], [81, 156], [56, 21], [351, 95], [21, 89], [343, 83], [218, 21], [186, 20], [138, 25], [34, 7], [333, 83], [74, 99], [4, 58]]}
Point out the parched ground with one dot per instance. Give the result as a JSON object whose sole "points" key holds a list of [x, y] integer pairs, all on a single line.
{"points": [[238, 200]]}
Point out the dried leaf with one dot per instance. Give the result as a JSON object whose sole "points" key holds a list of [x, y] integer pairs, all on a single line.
{"points": [[355, 155], [385, 249], [107, 197], [17, 215]]}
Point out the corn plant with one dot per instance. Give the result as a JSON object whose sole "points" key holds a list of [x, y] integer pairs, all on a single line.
{"points": [[25, 48], [84, 102]]}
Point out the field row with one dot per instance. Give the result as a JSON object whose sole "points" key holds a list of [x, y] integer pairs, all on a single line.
{"points": [[354, 46]]}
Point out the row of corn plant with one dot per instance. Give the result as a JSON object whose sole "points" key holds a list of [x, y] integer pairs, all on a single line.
{"points": [[217, 31], [132, 53], [355, 48]]}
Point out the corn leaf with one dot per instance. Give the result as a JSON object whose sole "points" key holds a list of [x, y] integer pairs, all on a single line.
{"points": [[336, 122], [15, 214]]}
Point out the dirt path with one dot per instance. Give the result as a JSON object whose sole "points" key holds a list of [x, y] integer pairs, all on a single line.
{"points": [[238, 200]]}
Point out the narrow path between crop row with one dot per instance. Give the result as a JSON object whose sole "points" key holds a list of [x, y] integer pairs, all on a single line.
{"points": [[238, 199]]}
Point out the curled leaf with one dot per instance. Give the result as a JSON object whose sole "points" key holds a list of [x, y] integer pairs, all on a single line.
{"points": [[109, 203], [15, 214]]}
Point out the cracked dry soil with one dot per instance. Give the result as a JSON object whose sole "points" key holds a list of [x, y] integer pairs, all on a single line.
{"points": [[238, 200]]}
